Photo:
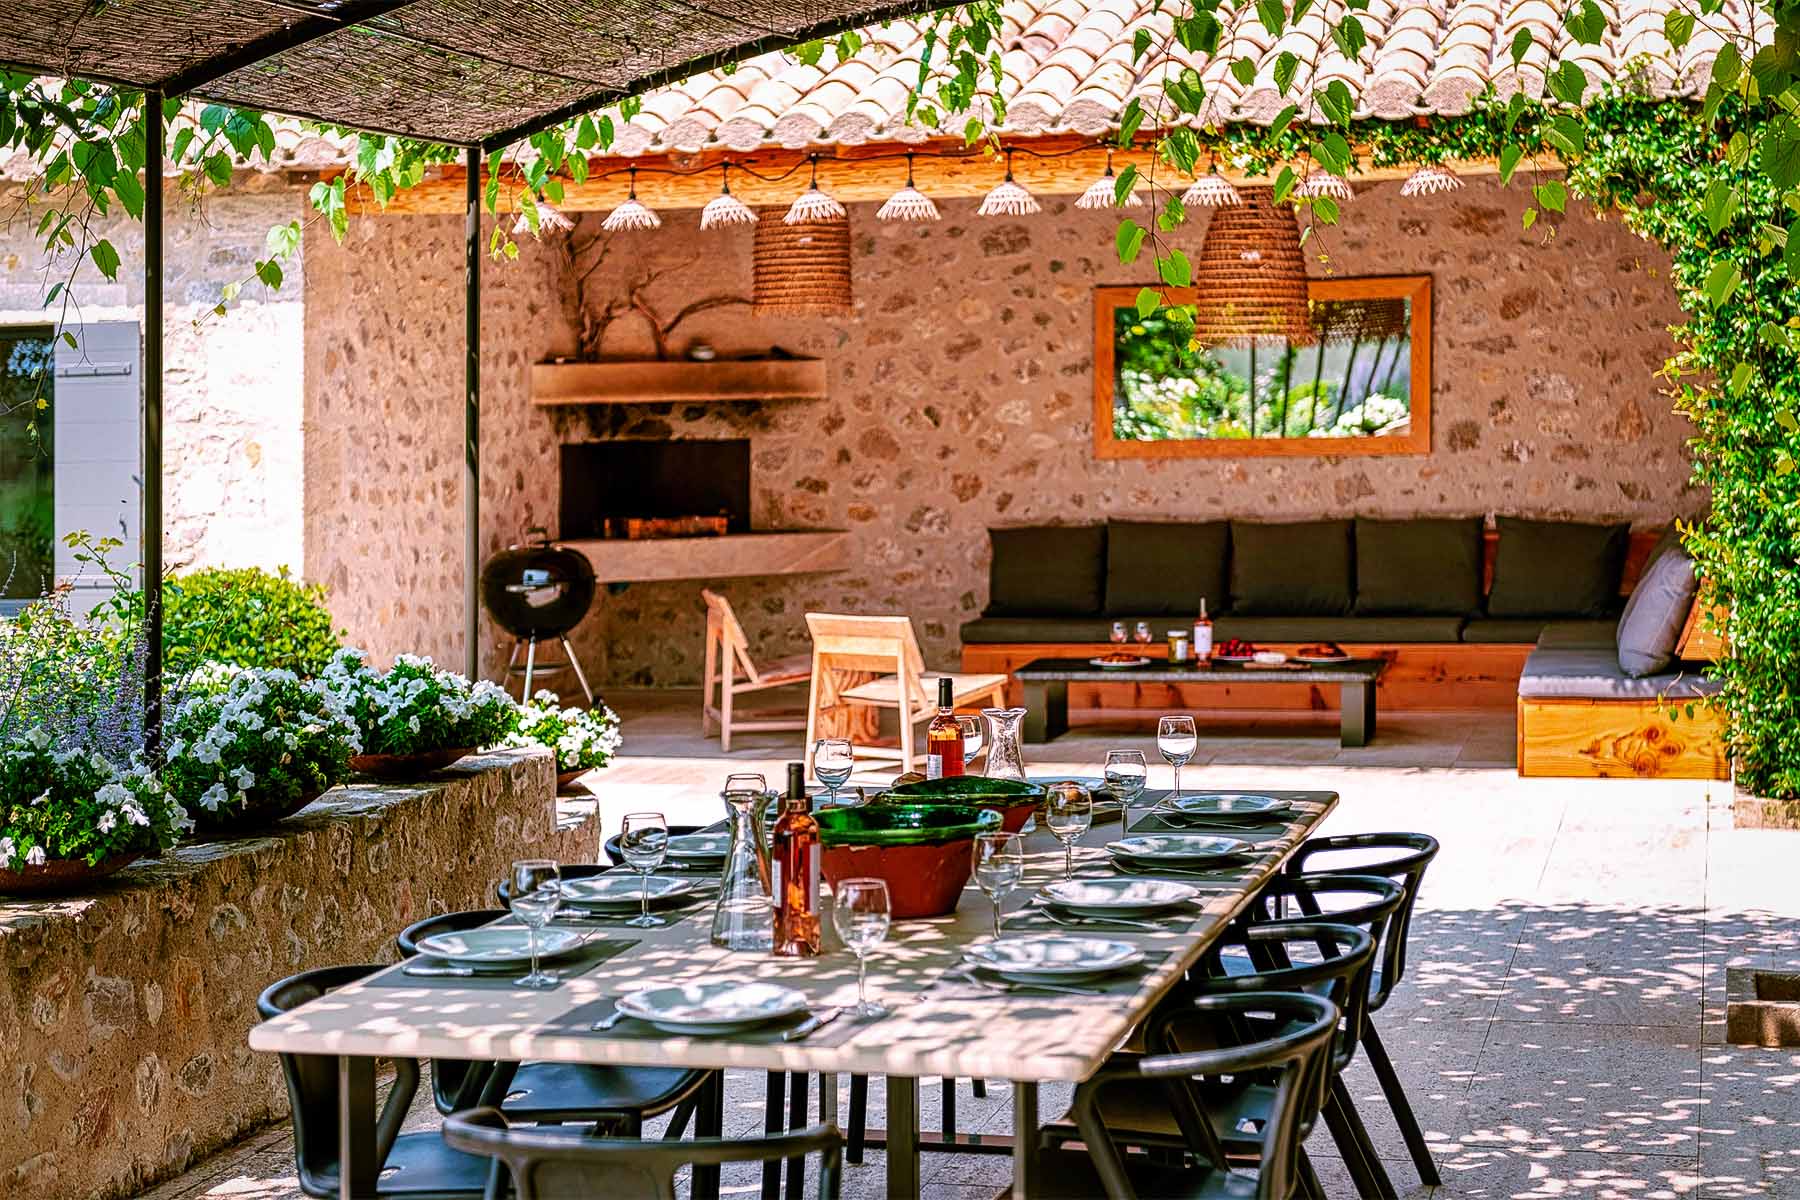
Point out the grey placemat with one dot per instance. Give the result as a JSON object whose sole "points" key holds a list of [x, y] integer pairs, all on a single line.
{"points": [[569, 966], [579, 1022], [955, 984]]}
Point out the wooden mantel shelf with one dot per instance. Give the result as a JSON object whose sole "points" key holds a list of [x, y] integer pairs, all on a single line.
{"points": [[788, 552], [653, 381]]}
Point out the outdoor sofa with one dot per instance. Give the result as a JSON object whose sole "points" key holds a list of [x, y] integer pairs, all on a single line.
{"points": [[1527, 614]]}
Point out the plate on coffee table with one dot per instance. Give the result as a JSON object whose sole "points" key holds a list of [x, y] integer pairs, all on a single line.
{"points": [[1119, 664]]}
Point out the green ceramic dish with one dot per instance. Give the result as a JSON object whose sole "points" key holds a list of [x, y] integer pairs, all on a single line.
{"points": [[903, 824], [922, 851], [1013, 799]]}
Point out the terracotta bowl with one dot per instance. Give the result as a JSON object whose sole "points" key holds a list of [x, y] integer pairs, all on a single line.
{"points": [[66, 875], [403, 767], [924, 852], [1013, 799]]}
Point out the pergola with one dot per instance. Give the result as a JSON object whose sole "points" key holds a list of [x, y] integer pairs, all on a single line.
{"points": [[478, 75]]}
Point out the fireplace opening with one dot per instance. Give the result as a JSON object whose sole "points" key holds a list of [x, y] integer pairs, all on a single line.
{"points": [[655, 488]]}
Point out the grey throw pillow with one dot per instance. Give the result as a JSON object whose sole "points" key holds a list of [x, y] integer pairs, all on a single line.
{"points": [[1657, 609]]}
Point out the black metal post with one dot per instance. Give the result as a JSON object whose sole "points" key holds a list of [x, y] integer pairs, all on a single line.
{"points": [[472, 421], [151, 424]]}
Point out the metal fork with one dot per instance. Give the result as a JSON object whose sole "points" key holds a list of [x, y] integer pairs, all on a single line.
{"points": [[607, 1022], [1075, 922]]}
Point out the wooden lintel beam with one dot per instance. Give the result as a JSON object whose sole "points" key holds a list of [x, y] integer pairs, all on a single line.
{"points": [[1061, 167]]}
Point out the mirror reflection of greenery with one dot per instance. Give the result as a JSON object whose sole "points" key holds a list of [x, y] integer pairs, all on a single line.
{"points": [[1168, 389], [27, 517]]}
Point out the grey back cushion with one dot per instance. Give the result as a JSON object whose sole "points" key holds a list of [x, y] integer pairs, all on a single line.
{"points": [[1294, 570], [1157, 570], [1047, 571], [1658, 609]]}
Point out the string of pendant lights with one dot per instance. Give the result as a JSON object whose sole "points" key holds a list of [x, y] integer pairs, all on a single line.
{"points": [[1009, 198]]}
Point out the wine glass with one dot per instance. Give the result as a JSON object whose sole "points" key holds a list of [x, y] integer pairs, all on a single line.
{"points": [[833, 760], [972, 738], [535, 895], [1142, 633], [1118, 633], [999, 866], [1126, 776], [861, 912], [1069, 812], [751, 781], [643, 841], [1177, 739]]}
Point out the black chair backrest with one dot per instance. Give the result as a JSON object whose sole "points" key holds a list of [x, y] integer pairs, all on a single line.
{"points": [[1404, 861], [503, 889], [407, 940], [1292, 1034], [611, 844], [1341, 974], [312, 1082], [549, 1163]]}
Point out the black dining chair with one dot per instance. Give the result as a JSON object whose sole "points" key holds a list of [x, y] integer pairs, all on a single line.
{"points": [[549, 1164], [1281, 1037], [1401, 857], [416, 1164], [617, 1100]]}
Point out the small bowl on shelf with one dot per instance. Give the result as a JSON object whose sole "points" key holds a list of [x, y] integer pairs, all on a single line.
{"points": [[1014, 799], [924, 852]]}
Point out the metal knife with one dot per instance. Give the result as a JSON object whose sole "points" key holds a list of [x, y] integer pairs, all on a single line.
{"points": [[812, 1025], [431, 972]]}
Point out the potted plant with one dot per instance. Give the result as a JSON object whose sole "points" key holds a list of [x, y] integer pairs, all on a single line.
{"points": [[583, 739], [247, 747], [68, 817], [416, 718]]}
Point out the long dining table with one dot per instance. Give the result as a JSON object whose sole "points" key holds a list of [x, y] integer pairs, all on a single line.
{"points": [[941, 1022]]}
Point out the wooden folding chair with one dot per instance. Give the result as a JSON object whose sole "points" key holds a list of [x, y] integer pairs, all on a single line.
{"points": [[847, 649], [727, 650]]}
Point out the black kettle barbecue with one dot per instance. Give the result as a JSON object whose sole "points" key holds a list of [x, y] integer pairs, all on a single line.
{"points": [[537, 591]]}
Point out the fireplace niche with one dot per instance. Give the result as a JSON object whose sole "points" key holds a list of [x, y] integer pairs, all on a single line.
{"points": [[634, 489]]}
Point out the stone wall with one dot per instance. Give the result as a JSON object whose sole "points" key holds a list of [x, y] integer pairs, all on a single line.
{"points": [[128, 1009], [960, 398], [232, 391]]}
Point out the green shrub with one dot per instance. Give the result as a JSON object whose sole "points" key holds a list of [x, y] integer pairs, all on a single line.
{"points": [[245, 616]]}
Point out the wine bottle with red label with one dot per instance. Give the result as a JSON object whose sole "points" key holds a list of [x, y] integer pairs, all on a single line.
{"points": [[794, 876]]}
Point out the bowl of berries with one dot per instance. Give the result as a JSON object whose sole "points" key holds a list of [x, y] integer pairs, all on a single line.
{"points": [[1235, 650]]}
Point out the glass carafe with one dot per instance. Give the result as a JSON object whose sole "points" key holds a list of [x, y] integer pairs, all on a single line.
{"points": [[744, 917], [1005, 757]]}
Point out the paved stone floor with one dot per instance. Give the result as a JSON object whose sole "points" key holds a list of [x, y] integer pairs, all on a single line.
{"points": [[1561, 1026]]}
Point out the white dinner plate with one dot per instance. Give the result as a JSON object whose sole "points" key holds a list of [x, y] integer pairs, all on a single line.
{"points": [[699, 845], [1054, 957], [720, 1006], [1176, 847], [1228, 805], [1234, 658], [1114, 897], [1139, 661], [616, 889], [1318, 660], [498, 945]]}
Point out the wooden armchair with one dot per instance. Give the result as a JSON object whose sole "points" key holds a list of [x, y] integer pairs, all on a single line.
{"points": [[847, 650], [728, 650]]}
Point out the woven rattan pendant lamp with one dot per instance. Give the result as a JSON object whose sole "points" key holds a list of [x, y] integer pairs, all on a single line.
{"points": [[1250, 281], [800, 270]]}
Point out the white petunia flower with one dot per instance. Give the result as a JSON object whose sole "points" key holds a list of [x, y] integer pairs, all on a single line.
{"points": [[35, 857]]}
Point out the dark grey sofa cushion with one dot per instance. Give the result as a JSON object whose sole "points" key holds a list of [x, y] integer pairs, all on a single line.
{"points": [[1658, 608], [1047, 571], [1557, 569], [1528, 630], [1299, 569], [991, 630], [1165, 569], [1418, 568], [1592, 673], [1578, 635]]}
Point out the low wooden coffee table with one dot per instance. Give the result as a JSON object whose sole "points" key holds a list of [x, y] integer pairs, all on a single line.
{"points": [[1047, 683]]}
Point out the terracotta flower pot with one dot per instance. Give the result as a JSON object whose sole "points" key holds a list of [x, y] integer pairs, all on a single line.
{"points": [[407, 767], [254, 814], [565, 780], [62, 877]]}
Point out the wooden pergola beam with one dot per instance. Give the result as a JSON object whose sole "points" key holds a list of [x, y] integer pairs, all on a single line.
{"points": [[943, 171]]}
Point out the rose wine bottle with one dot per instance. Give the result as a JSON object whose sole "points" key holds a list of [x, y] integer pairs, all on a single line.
{"points": [[794, 857], [1203, 639], [943, 738]]}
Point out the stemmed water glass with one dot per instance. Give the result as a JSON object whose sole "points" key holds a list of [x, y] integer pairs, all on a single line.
{"points": [[1069, 812], [1126, 776], [972, 737], [861, 912], [1177, 739], [643, 841], [534, 896], [999, 866], [833, 760]]}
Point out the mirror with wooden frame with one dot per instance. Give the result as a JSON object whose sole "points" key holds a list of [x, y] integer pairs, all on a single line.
{"points": [[1363, 386]]}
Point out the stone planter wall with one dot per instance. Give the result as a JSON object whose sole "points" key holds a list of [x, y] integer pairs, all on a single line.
{"points": [[125, 1011]]}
